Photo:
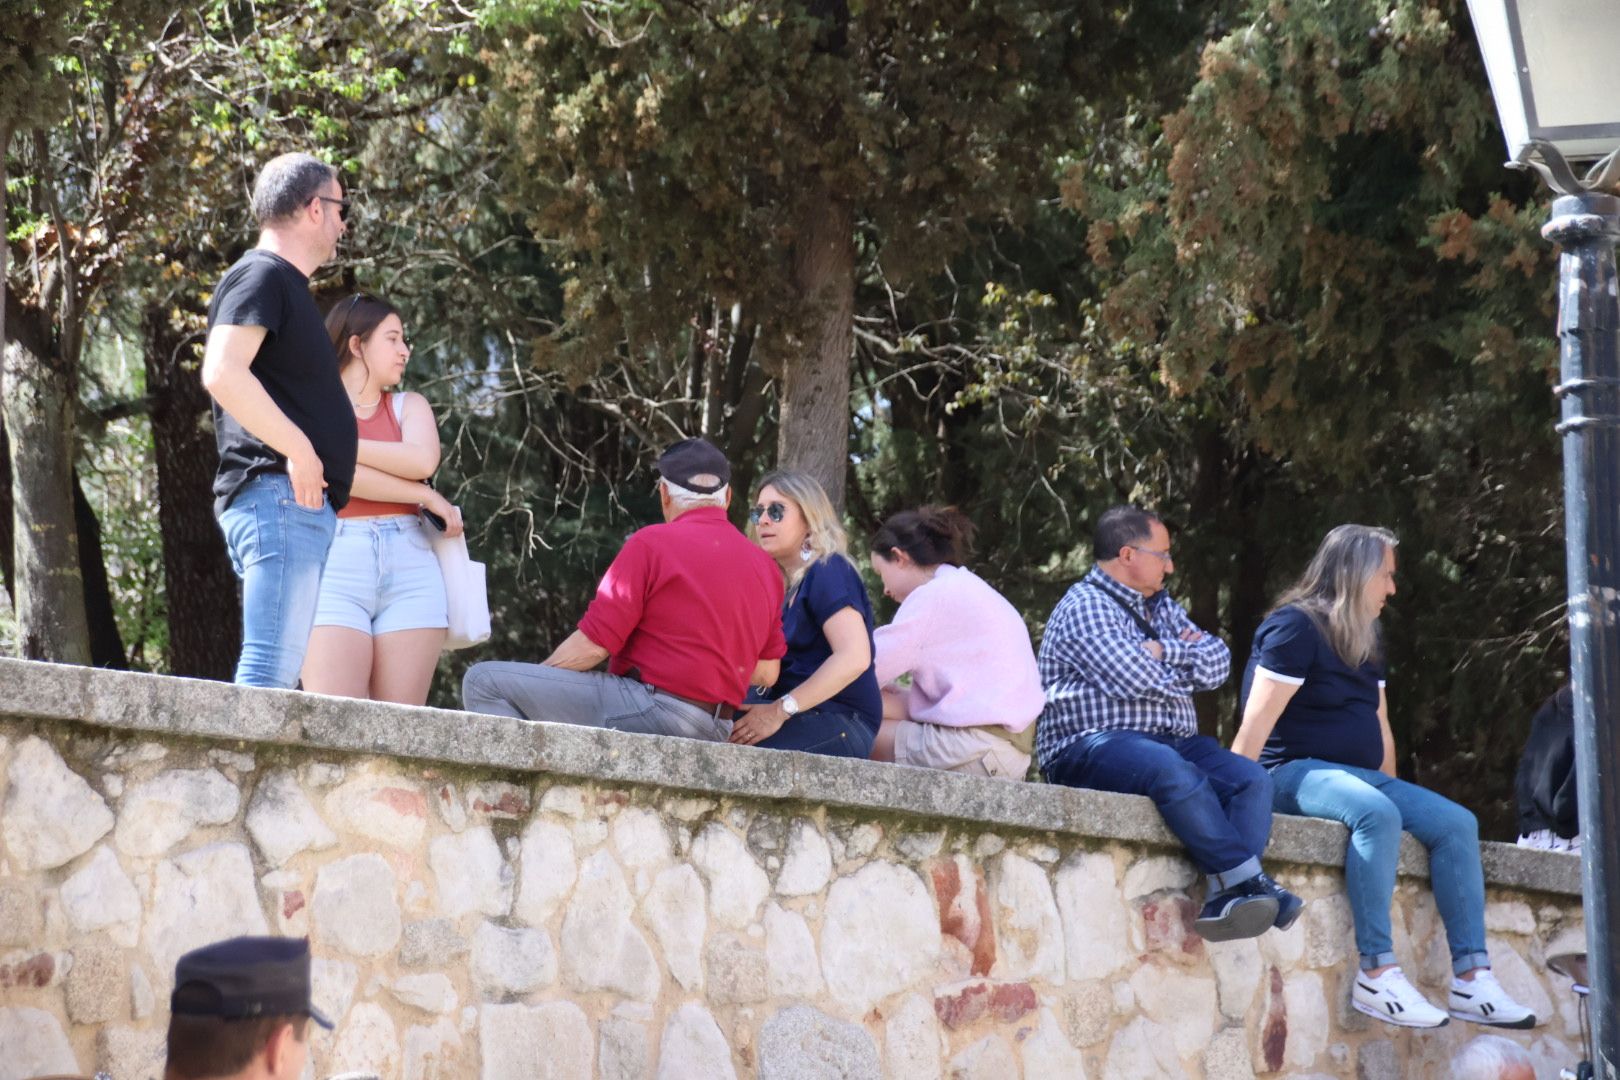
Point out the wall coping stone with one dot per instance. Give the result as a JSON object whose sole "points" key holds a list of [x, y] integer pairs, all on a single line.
{"points": [[199, 709]]}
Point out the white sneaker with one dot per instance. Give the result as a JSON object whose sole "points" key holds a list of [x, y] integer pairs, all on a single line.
{"points": [[1394, 1001], [1483, 1001]]}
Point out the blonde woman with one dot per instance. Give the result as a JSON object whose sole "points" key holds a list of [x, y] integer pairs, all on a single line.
{"points": [[1316, 715], [826, 700]]}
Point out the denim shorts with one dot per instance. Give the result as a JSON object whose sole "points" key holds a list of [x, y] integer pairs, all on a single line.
{"points": [[382, 576]]}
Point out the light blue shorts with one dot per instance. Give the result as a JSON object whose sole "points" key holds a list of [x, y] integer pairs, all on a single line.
{"points": [[382, 576]]}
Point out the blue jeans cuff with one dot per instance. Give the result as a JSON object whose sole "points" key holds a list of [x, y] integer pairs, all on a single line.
{"points": [[1243, 871], [1376, 960], [1470, 961]]}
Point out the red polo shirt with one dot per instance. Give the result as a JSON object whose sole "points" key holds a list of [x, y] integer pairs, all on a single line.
{"points": [[693, 604]]}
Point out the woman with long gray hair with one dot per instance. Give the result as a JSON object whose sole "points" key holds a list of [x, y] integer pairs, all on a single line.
{"points": [[1316, 714]]}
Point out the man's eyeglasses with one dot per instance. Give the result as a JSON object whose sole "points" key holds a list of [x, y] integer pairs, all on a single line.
{"points": [[775, 511], [1162, 556], [342, 205]]}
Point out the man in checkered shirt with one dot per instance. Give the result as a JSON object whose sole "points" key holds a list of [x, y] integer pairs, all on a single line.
{"points": [[1120, 661]]}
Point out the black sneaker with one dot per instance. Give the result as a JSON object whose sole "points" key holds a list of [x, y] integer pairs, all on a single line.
{"points": [[1245, 910], [1288, 905]]}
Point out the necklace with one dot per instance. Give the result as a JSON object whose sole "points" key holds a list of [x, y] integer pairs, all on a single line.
{"points": [[368, 404]]}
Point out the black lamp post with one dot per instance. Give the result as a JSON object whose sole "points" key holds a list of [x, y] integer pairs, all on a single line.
{"points": [[1554, 67]]}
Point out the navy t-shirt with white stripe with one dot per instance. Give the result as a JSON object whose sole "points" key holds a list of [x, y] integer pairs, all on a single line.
{"points": [[1333, 716]]}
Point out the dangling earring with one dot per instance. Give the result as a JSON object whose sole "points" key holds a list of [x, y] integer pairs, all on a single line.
{"points": [[806, 552]]}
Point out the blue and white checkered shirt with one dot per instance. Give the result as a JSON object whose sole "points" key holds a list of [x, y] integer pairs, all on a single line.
{"points": [[1098, 677]]}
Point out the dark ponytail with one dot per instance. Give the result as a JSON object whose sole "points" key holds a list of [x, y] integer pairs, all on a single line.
{"points": [[930, 535]]}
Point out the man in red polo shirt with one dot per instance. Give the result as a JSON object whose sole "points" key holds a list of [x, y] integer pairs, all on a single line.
{"points": [[688, 616]]}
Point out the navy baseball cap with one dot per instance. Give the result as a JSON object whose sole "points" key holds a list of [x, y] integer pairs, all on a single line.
{"points": [[244, 978], [695, 464]]}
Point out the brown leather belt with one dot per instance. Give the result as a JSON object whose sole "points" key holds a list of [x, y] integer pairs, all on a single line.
{"points": [[718, 709]]}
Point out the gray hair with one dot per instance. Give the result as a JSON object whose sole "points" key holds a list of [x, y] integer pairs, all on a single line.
{"points": [[687, 499], [1332, 590], [1487, 1057], [286, 184]]}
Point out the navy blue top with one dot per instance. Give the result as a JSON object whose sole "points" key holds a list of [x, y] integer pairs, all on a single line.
{"points": [[828, 587], [1333, 716]]}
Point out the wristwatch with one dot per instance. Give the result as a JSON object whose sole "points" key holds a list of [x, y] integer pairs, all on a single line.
{"points": [[789, 704]]}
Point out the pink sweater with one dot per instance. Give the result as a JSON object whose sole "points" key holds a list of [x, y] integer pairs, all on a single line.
{"points": [[967, 651]]}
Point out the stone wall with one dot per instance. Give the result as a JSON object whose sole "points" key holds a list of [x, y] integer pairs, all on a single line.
{"points": [[493, 899]]}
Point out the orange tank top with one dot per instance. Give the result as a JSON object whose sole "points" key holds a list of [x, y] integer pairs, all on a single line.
{"points": [[382, 427]]}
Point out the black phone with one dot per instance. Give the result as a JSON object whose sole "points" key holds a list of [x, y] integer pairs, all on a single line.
{"points": [[432, 519]]}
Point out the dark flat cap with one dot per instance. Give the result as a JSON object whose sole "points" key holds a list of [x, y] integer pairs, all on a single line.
{"points": [[246, 977], [695, 464]]}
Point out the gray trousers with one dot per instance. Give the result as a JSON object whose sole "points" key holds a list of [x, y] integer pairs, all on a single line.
{"points": [[587, 698]]}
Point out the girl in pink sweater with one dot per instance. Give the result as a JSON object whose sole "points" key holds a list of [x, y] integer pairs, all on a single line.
{"points": [[975, 691]]}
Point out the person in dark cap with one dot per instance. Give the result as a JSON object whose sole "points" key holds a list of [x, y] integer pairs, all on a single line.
{"points": [[240, 1009], [688, 616]]}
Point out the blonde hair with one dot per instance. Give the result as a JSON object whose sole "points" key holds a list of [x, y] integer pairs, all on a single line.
{"points": [[826, 537], [1333, 590]]}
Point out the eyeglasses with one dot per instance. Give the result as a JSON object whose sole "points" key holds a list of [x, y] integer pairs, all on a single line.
{"points": [[1162, 556], [342, 205], [775, 511]]}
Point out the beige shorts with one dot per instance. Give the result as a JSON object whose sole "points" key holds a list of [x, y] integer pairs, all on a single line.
{"points": [[970, 750]]}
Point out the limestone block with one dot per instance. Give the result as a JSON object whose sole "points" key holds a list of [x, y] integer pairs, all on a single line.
{"points": [[132, 1053], [1308, 1019], [1088, 1012], [1238, 968], [198, 898], [919, 846], [964, 916], [355, 908], [470, 873], [389, 809], [911, 1040], [51, 815], [1284, 948], [1184, 1004], [159, 813], [435, 1052], [564, 799], [862, 840], [790, 955], [282, 820], [431, 943], [1376, 1061], [1228, 1056], [1330, 933], [536, 1042], [34, 970], [674, 910], [142, 999], [801, 1043], [1048, 1053], [497, 800], [21, 918], [1509, 917], [451, 810], [431, 992], [692, 1046], [100, 895], [808, 865], [331, 986], [1166, 928], [601, 949], [511, 961], [1096, 922], [624, 1045], [34, 1042], [880, 935], [1142, 1050], [960, 1005], [1031, 933], [1153, 873], [548, 870], [641, 842], [366, 1043], [733, 973], [95, 984], [231, 759], [1518, 979], [737, 886], [988, 1059]]}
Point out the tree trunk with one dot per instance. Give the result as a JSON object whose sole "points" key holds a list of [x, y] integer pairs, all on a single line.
{"points": [[48, 594], [106, 644], [814, 431], [205, 614], [1204, 593]]}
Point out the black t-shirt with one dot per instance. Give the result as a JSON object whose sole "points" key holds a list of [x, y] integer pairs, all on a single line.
{"points": [[828, 587], [298, 369], [1333, 716]]}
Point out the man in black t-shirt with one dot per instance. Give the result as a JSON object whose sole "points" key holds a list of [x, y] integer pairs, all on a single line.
{"points": [[283, 421]]}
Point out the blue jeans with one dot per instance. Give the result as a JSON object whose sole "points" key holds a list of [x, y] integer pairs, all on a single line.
{"points": [[1216, 802], [827, 729], [279, 550], [1376, 808]]}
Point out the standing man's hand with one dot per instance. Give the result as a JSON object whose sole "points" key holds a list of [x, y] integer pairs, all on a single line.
{"points": [[1154, 649], [308, 478]]}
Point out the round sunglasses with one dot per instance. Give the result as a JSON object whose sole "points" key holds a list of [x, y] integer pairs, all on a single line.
{"points": [[775, 511]]}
